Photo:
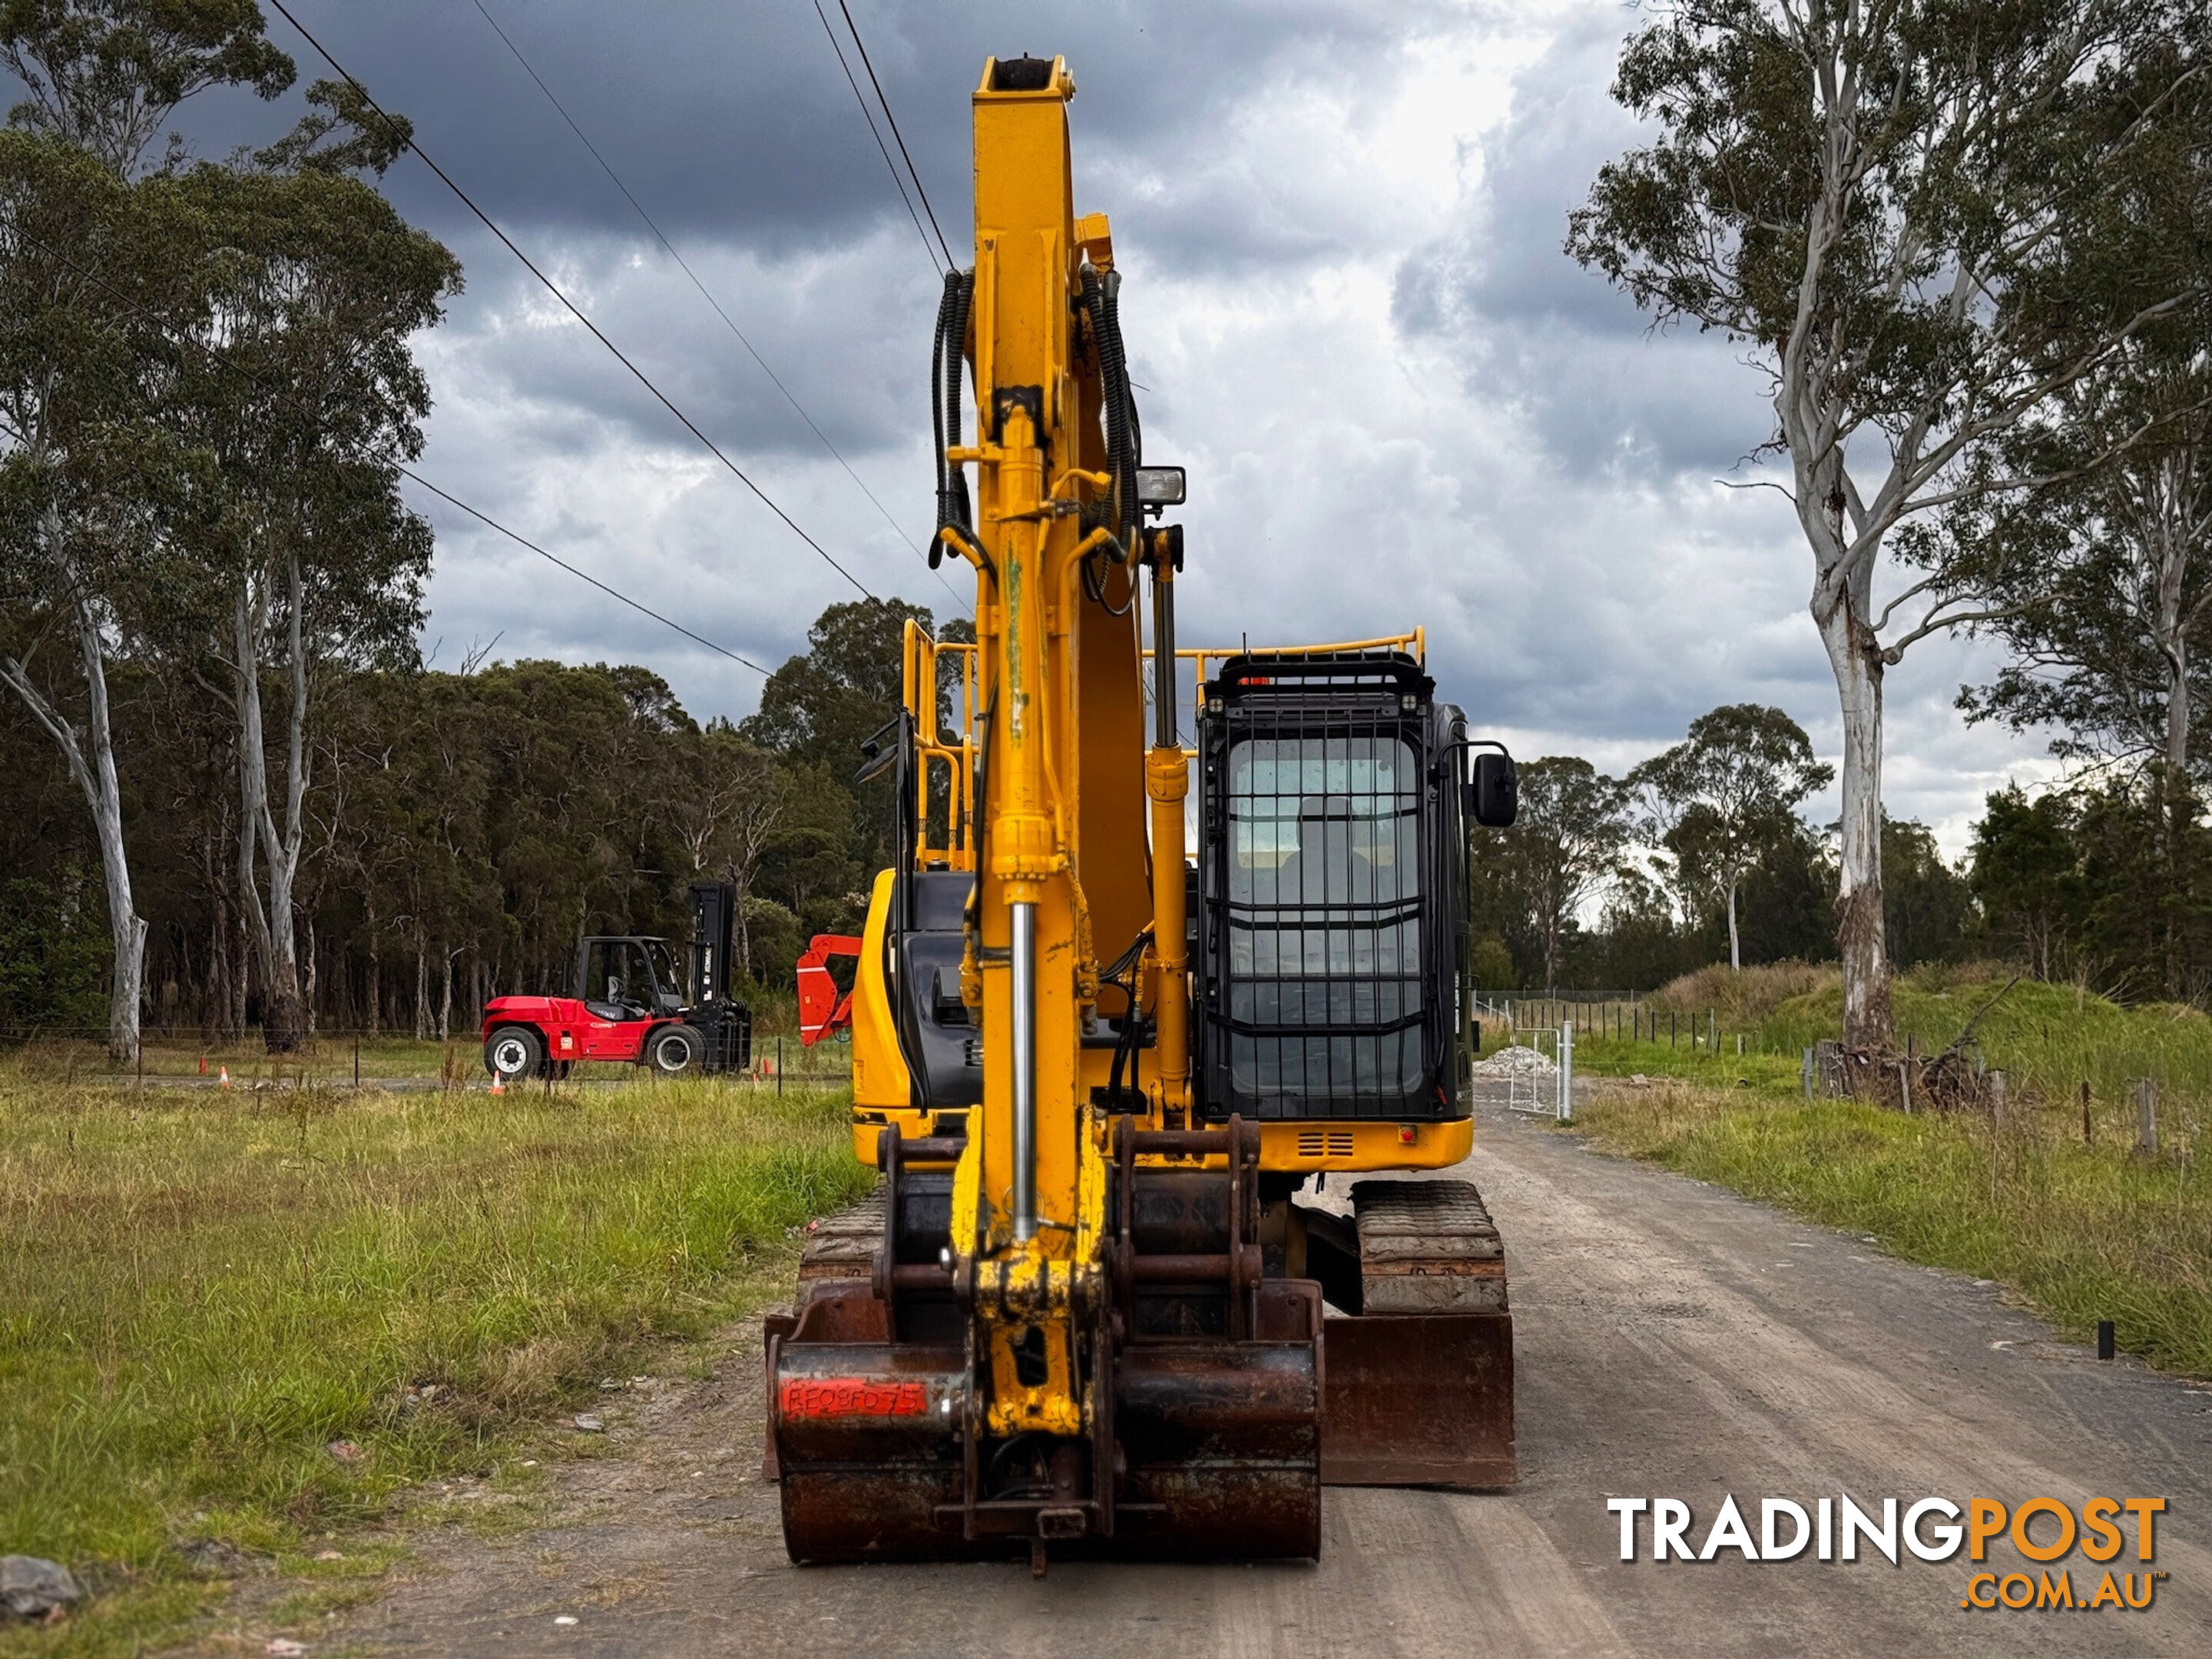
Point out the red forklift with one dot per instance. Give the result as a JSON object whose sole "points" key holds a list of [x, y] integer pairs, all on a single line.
{"points": [[631, 1005]]}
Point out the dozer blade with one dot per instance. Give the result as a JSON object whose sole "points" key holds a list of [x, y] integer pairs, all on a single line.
{"points": [[1418, 1399], [1420, 1377]]}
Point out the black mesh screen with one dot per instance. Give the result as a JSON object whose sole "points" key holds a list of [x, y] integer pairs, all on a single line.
{"points": [[1321, 996]]}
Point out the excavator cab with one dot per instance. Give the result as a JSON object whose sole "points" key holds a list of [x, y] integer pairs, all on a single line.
{"points": [[1107, 1300], [1333, 871]]}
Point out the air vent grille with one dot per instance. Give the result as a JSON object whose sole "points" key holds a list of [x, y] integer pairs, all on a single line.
{"points": [[1324, 1143]]}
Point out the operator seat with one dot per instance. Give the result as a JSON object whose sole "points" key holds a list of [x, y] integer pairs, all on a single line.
{"points": [[617, 1004]]}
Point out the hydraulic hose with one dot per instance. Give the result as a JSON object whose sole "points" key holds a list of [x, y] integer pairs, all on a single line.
{"points": [[954, 510], [1102, 302]]}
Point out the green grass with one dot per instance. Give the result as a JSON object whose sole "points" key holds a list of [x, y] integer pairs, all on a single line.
{"points": [[200, 1293], [2076, 1222], [2084, 1233], [2048, 1039]]}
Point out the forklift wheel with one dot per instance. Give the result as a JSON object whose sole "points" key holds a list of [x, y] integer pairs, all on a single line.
{"points": [[675, 1051], [515, 1052]]}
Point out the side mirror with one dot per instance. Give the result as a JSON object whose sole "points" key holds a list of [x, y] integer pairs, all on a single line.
{"points": [[1494, 796]]}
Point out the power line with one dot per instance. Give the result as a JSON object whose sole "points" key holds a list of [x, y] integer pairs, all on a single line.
{"points": [[570, 305], [512, 536], [866, 63], [393, 461], [728, 320], [861, 99]]}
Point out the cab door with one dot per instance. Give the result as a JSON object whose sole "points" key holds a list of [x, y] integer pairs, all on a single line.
{"points": [[617, 986]]}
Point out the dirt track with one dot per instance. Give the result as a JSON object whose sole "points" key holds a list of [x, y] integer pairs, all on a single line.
{"points": [[1673, 1340]]}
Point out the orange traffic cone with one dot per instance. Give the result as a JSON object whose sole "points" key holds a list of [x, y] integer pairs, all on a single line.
{"points": [[225, 1080], [498, 1083]]}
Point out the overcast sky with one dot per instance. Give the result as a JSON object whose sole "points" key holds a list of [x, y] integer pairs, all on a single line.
{"points": [[1339, 226]]}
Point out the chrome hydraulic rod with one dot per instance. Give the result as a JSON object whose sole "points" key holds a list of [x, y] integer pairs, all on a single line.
{"points": [[1164, 665], [1023, 964]]}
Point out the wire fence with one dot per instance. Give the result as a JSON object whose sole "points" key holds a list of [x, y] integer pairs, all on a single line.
{"points": [[344, 1057]]}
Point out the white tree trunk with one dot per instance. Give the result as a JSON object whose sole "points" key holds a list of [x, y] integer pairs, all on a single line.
{"points": [[1736, 949], [2169, 536], [96, 780], [1856, 661], [310, 974], [273, 925]]}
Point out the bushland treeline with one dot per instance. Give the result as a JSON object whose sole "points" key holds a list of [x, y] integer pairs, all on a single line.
{"points": [[463, 828], [2105, 882], [230, 795]]}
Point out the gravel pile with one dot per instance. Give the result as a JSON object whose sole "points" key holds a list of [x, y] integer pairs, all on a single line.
{"points": [[1517, 1062]]}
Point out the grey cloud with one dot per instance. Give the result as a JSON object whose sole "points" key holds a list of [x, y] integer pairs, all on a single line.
{"points": [[1402, 404], [1609, 396], [736, 125]]}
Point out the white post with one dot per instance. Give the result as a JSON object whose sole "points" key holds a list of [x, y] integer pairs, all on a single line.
{"points": [[1567, 1070]]}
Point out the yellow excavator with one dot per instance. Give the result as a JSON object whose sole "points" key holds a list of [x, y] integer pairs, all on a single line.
{"points": [[1109, 1301]]}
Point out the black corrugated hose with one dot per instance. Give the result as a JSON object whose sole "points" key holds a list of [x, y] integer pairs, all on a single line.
{"points": [[1102, 301], [954, 510]]}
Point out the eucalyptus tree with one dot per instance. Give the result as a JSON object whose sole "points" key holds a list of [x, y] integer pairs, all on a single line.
{"points": [[71, 552], [731, 802], [105, 76], [1901, 207], [307, 394], [2111, 659], [1566, 845], [85, 287], [1724, 795]]}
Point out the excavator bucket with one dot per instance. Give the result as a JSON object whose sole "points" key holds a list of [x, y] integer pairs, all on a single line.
{"points": [[1205, 1434], [1218, 1448]]}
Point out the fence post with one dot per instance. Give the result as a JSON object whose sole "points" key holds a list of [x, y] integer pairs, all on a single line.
{"points": [[1808, 1075], [1905, 1086], [2086, 1136], [2147, 1118], [779, 1066], [1567, 1070]]}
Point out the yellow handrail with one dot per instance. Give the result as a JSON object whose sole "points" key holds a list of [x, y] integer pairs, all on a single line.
{"points": [[950, 765]]}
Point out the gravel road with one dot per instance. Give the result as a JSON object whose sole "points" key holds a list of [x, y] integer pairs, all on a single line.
{"points": [[1673, 1341]]}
